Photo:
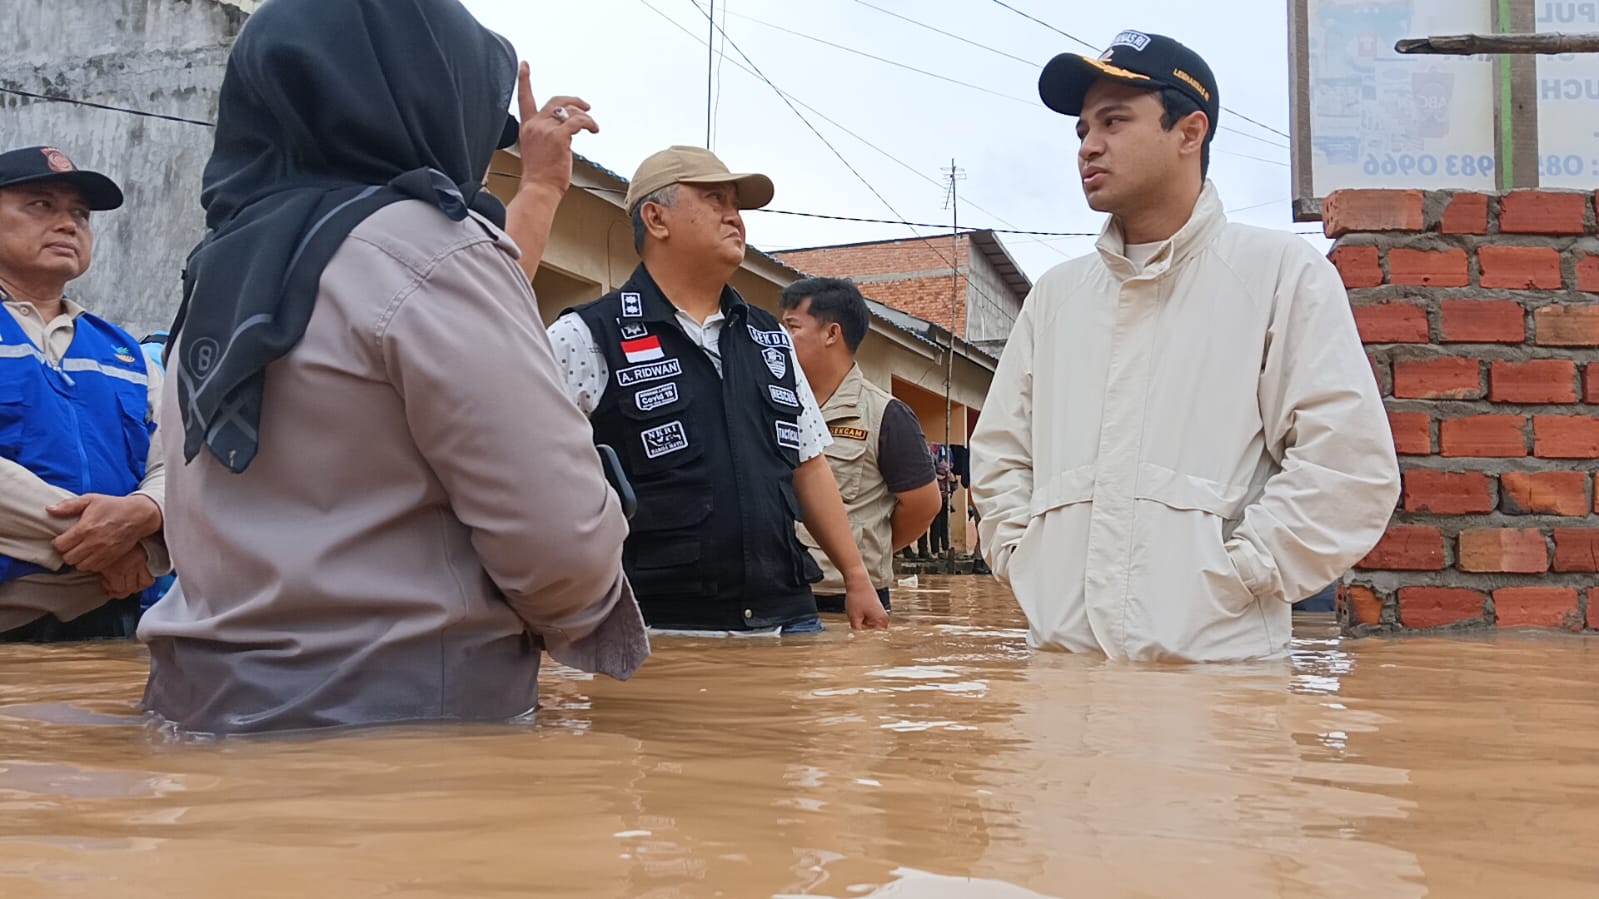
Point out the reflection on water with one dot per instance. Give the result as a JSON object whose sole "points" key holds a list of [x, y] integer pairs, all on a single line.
{"points": [[940, 760]]}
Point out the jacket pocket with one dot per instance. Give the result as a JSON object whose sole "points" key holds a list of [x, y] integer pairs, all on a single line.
{"points": [[1184, 542], [1068, 488], [844, 456], [137, 428], [664, 549], [1064, 489]]}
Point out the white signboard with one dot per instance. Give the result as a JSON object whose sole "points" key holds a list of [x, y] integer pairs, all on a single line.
{"points": [[1380, 119], [1568, 100]]}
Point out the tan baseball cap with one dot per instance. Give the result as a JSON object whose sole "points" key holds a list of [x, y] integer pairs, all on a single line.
{"points": [[695, 165]]}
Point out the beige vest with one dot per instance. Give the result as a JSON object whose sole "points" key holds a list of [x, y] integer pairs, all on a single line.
{"points": [[854, 413]]}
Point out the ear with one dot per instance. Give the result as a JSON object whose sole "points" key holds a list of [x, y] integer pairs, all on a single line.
{"points": [[833, 333], [1194, 128], [654, 216]]}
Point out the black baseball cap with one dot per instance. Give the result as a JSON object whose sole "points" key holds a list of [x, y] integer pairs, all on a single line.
{"points": [[30, 165], [1151, 61]]}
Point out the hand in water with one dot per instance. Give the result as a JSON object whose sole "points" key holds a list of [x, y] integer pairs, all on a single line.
{"points": [[865, 610]]}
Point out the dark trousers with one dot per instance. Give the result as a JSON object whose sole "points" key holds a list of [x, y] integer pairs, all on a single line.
{"points": [[833, 603], [938, 534], [116, 620]]}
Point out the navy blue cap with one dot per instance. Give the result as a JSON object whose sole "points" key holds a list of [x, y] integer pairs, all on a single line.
{"points": [[32, 165], [1134, 58]]}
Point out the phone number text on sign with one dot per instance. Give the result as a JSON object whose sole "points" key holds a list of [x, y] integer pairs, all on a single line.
{"points": [[1468, 166]]}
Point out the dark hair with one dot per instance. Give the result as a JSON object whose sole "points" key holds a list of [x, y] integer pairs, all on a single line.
{"points": [[666, 196], [834, 301], [1180, 106]]}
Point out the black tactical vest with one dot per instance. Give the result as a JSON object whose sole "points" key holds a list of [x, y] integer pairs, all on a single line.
{"points": [[712, 459]]}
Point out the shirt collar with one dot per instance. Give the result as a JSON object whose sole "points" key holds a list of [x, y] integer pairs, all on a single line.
{"points": [[1207, 218]]}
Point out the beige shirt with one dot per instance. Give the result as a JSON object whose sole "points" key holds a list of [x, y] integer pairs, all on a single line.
{"points": [[1171, 454], [426, 511], [854, 415], [26, 530]]}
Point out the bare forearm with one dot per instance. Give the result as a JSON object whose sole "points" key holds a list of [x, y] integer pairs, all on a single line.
{"points": [[825, 518], [528, 219], [913, 513]]}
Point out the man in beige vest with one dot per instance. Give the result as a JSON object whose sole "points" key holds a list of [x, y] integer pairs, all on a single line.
{"points": [[878, 455]]}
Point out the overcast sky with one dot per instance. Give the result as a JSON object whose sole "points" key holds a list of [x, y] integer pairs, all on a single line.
{"points": [[646, 79]]}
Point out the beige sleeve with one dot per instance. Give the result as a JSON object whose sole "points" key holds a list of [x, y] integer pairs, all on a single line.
{"points": [[1339, 483], [154, 484], [1002, 448], [488, 408], [25, 528]]}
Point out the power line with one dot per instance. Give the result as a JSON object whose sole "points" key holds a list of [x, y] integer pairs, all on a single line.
{"points": [[846, 218], [947, 34], [851, 218], [108, 107], [1047, 25], [965, 40], [807, 122], [1079, 40], [897, 65], [834, 122], [1031, 104]]}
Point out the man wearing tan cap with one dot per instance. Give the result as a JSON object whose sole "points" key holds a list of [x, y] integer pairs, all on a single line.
{"points": [[717, 429]]}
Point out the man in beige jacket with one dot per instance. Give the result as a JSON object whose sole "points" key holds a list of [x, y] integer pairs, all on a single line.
{"points": [[81, 480], [1183, 436]]}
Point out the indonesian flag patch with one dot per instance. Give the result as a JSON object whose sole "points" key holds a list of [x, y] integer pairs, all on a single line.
{"points": [[644, 349]]}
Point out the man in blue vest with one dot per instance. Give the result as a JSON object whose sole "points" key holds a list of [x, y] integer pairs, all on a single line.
{"points": [[81, 484], [701, 395]]}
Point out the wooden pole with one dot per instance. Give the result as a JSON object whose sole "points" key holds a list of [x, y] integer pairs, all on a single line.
{"points": [[1476, 44]]}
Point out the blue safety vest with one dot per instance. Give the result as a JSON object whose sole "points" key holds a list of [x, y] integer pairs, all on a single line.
{"points": [[83, 425]]}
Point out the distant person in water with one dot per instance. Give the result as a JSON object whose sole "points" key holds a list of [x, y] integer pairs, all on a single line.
{"points": [[361, 377]]}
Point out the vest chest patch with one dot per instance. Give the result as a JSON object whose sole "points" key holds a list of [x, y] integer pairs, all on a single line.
{"points": [[776, 361], [633, 331], [654, 371], [664, 440], [788, 434], [848, 433], [643, 349], [783, 396], [632, 305], [777, 338], [656, 397]]}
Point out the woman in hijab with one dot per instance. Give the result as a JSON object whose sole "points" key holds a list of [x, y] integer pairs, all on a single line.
{"points": [[372, 415]]}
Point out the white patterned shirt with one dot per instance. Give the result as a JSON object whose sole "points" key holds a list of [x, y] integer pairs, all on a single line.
{"points": [[587, 375]]}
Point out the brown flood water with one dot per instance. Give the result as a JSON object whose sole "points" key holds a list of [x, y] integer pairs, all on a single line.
{"points": [[942, 760]]}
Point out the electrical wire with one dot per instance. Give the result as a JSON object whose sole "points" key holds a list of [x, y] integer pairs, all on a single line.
{"points": [[1079, 40]]}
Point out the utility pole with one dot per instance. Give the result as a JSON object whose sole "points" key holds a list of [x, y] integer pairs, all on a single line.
{"points": [[952, 201], [710, 56]]}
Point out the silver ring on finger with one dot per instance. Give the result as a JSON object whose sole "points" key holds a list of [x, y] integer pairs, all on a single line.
{"points": [[560, 114]]}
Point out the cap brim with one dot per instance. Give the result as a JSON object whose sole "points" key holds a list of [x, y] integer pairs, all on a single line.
{"points": [[754, 191], [100, 192], [1067, 78]]}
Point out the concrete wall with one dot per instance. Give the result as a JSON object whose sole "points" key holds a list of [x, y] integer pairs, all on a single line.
{"points": [[914, 276], [163, 56], [1480, 316], [991, 308]]}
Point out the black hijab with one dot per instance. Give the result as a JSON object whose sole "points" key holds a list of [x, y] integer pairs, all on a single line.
{"points": [[329, 111]]}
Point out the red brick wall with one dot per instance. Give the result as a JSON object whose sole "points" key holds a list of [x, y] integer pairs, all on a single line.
{"points": [[874, 265], [1480, 317]]}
